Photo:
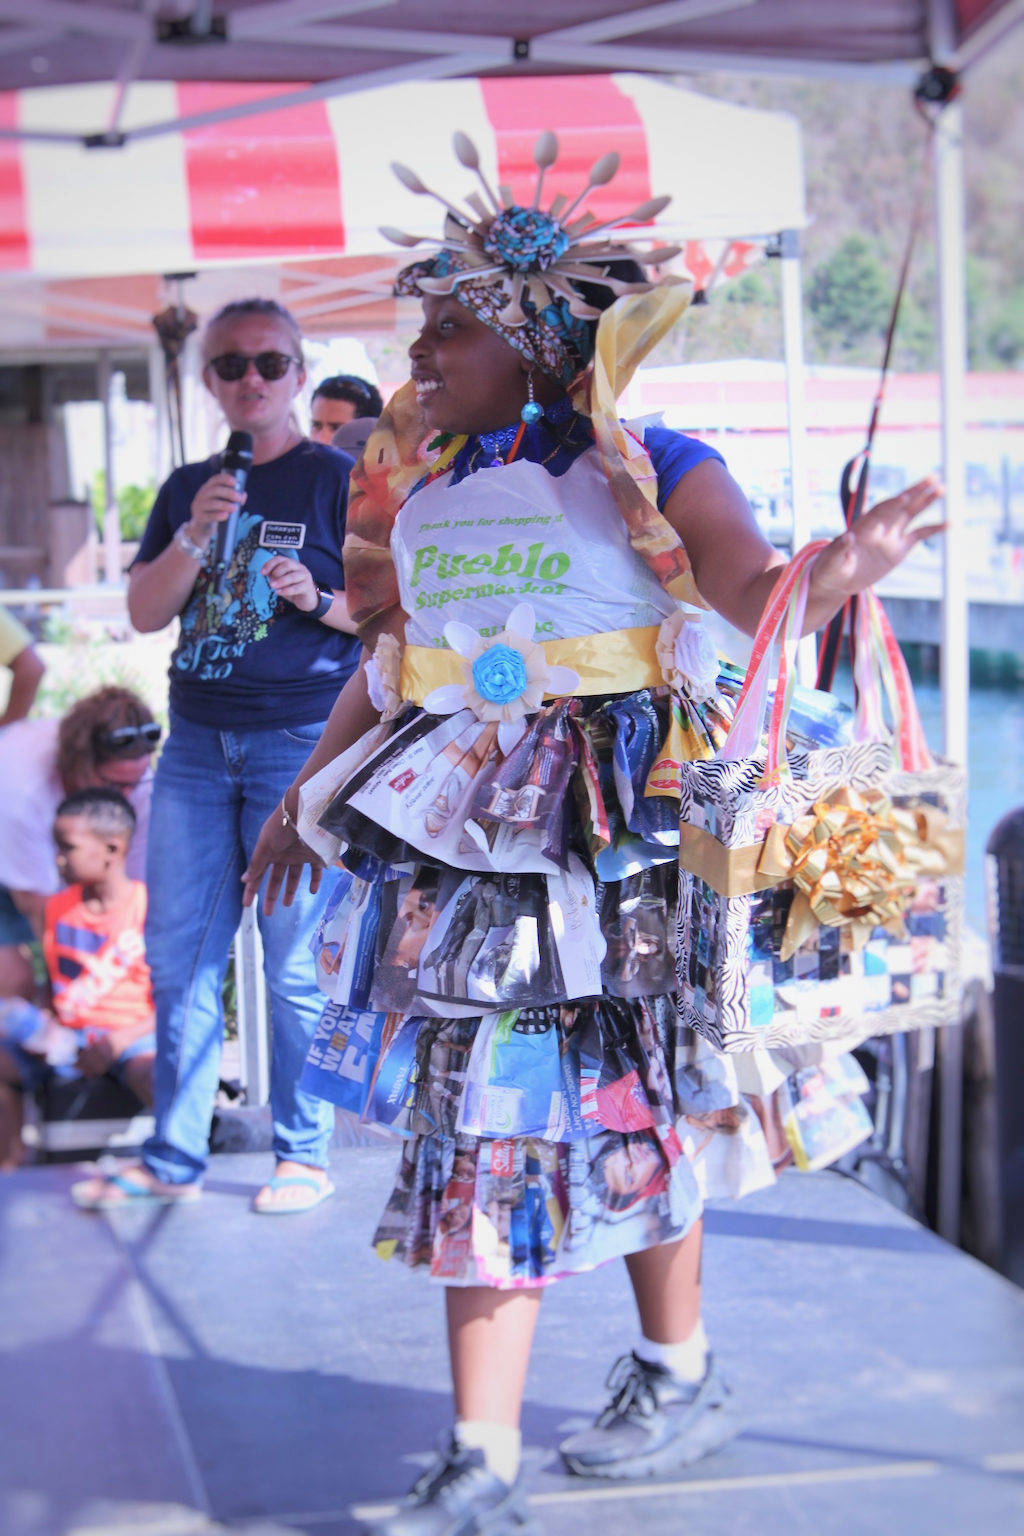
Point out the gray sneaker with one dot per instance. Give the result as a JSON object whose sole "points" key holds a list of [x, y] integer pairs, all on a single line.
{"points": [[457, 1496], [654, 1425]]}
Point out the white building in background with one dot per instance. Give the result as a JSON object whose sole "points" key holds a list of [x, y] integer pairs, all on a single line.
{"points": [[740, 408]]}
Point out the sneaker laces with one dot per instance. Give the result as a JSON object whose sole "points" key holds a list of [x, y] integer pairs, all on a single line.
{"points": [[451, 1467], [633, 1394]]}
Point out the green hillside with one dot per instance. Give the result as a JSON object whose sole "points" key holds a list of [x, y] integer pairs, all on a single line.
{"points": [[863, 150]]}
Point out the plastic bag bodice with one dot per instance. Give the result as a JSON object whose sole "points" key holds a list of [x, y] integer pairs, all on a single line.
{"points": [[519, 534]]}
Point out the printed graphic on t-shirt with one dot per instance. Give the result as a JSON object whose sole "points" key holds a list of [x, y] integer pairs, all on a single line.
{"points": [[217, 629], [97, 962], [93, 976]]}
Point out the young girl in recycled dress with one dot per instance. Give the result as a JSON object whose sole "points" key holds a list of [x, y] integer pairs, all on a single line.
{"points": [[515, 559]]}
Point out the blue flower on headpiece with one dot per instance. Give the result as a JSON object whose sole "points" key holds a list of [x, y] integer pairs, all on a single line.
{"points": [[519, 269], [525, 239]]}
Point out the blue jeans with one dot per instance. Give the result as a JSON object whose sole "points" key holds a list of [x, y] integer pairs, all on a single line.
{"points": [[213, 792]]}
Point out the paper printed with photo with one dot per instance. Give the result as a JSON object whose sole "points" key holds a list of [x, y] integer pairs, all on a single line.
{"points": [[514, 1080], [421, 790], [408, 913], [318, 792], [342, 1055]]}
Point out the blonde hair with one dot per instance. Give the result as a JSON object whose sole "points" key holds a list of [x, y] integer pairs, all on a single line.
{"points": [[265, 309]]}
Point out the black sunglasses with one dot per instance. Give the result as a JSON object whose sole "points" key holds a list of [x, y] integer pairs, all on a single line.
{"points": [[232, 366], [121, 739]]}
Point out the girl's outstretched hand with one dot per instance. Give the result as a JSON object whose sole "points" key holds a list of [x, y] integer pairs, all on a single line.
{"points": [[875, 545], [281, 850]]}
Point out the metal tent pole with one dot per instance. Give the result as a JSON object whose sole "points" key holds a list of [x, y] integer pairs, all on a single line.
{"points": [[111, 519], [796, 414], [948, 152], [253, 1014], [163, 447], [949, 196]]}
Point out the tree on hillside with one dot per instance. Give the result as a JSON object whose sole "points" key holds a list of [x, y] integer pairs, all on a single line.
{"points": [[863, 147], [850, 294]]}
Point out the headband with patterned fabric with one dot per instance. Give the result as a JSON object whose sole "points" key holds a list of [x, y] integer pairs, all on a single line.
{"points": [[519, 270]]}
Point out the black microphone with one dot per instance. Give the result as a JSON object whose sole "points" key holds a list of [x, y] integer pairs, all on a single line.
{"points": [[235, 460]]}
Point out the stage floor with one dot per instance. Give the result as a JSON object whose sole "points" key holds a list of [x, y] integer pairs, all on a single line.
{"points": [[173, 1371]]}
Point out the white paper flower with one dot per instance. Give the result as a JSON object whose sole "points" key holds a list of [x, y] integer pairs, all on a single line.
{"points": [[384, 674], [687, 656], [507, 676]]}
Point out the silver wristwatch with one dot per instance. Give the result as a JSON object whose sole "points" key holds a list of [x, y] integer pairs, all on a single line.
{"points": [[186, 543]]}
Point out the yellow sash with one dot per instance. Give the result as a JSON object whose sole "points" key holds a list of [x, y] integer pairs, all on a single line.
{"points": [[617, 661]]}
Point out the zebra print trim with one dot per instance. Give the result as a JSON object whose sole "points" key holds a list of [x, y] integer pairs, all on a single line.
{"points": [[727, 799]]}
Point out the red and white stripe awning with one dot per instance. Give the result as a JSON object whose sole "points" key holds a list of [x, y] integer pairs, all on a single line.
{"points": [[85, 233]]}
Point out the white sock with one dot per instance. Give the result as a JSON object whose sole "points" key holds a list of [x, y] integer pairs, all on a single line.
{"points": [[689, 1360], [500, 1444]]}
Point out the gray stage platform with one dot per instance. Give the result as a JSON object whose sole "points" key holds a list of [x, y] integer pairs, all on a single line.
{"points": [[173, 1370]]}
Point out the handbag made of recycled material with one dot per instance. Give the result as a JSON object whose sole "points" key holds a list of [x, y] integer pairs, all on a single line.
{"points": [[821, 893]]}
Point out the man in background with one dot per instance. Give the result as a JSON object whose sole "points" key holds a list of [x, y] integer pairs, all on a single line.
{"points": [[339, 400]]}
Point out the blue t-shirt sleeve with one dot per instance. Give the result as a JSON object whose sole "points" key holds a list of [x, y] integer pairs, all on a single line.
{"points": [[673, 454], [158, 532], [172, 507]]}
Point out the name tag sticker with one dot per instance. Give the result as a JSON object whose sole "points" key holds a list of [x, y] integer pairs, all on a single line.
{"points": [[282, 535]]}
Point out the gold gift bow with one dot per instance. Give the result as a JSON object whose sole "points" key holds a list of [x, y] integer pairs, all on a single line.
{"points": [[746, 869], [855, 860]]}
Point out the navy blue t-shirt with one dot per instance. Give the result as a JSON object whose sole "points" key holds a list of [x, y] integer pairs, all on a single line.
{"points": [[250, 660]]}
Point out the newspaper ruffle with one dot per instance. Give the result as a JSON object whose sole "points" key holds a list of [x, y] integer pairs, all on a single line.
{"points": [[499, 958]]}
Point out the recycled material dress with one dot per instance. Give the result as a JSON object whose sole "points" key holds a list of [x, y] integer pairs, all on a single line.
{"points": [[501, 948]]}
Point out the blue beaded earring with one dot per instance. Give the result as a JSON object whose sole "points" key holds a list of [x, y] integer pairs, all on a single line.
{"points": [[531, 412]]}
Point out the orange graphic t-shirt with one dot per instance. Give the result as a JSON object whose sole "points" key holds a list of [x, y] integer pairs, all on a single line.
{"points": [[97, 960]]}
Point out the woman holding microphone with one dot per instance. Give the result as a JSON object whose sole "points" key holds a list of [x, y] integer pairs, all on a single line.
{"points": [[265, 646]]}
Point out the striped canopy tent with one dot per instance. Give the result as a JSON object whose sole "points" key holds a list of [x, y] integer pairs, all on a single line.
{"points": [[290, 202]]}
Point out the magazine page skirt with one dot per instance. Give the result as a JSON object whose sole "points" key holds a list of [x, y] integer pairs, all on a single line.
{"points": [[499, 959]]}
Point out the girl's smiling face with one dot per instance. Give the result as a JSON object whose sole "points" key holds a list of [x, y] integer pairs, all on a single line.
{"points": [[468, 379]]}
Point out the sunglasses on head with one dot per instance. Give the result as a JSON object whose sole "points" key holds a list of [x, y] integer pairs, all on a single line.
{"points": [[121, 740], [232, 366]]}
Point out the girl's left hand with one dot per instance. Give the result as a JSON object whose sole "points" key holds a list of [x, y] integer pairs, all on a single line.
{"points": [[280, 849], [876, 543], [293, 581]]}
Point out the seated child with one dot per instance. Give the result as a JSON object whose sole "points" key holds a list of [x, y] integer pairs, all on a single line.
{"points": [[95, 954]]}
